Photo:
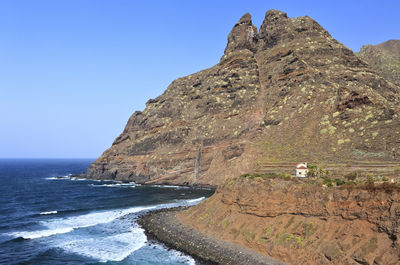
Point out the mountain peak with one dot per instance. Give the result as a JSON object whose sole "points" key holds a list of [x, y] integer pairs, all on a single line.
{"points": [[277, 27], [391, 46], [242, 35], [384, 58], [287, 93], [274, 15], [245, 19]]}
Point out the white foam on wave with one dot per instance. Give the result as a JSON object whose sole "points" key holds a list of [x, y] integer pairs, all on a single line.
{"points": [[66, 177], [173, 256], [179, 203], [68, 224], [119, 247], [128, 184], [181, 258], [196, 200], [79, 179], [59, 177], [41, 233], [49, 212], [101, 185], [169, 186], [115, 246], [111, 248], [117, 185]]}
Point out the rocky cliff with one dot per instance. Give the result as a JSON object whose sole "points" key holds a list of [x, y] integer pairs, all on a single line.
{"points": [[384, 58], [301, 223], [285, 93]]}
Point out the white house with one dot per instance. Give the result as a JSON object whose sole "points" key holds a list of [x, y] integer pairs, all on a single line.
{"points": [[301, 170]]}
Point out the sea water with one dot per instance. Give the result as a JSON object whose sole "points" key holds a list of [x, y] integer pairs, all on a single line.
{"points": [[49, 217]]}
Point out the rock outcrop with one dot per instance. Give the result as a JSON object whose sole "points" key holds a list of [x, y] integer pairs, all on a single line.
{"points": [[286, 93], [384, 58], [301, 223]]}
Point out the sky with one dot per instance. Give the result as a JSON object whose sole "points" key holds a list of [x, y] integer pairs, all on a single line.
{"points": [[73, 71]]}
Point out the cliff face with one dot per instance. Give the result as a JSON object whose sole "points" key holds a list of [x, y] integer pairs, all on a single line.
{"points": [[384, 58], [300, 223], [286, 93]]}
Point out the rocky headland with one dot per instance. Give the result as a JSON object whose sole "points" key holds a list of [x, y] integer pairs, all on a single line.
{"points": [[283, 93]]}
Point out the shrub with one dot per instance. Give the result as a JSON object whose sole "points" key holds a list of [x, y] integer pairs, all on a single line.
{"points": [[339, 182], [317, 172], [273, 175], [350, 183], [351, 176], [328, 181], [370, 180]]}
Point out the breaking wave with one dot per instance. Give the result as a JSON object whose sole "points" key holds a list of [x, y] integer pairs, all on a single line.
{"points": [[111, 248], [68, 224], [48, 213], [131, 185]]}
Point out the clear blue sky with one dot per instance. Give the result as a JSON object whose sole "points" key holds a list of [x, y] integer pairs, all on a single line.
{"points": [[73, 71]]}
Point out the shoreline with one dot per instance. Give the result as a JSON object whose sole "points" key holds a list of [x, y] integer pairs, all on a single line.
{"points": [[167, 184], [164, 226]]}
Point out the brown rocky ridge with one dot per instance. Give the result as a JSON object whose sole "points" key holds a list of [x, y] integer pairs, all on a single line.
{"points": [[384, 58], [285, 93]]}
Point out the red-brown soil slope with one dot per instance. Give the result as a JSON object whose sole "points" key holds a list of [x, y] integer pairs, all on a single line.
{"points": [[300, 223]]}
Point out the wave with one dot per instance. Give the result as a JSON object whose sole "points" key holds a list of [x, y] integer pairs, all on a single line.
{"points": [[68, 224], [47, 213], [131, 185], [179, 203], [66, 177], [169, 186], [41, 233], [119, 247], [79, 179], [59, 177], [111, 248], [196, 200], [168, 255]]}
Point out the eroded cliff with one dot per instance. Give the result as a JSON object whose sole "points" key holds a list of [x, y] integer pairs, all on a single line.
{"points": [[301, 223]]}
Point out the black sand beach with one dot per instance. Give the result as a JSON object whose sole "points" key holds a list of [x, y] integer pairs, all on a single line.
{"points": [[165, 227]]}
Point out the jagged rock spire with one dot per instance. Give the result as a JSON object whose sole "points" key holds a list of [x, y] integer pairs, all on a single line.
{"points": [[242, 36], [277, 27], [273, 18]]}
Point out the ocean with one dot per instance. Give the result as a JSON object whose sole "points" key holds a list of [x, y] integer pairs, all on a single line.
{"points": [[49, 217]]}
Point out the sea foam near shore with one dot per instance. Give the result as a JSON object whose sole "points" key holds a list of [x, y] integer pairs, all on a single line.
{"points": [[118, 237], [52, 216]]}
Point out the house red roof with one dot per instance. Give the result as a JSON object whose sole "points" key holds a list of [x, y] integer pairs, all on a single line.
{"points": [[302, 167]]}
